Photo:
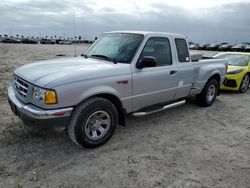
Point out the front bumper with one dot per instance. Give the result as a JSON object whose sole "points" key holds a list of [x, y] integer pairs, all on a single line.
{"points": [[37, 117], [232, 82]]}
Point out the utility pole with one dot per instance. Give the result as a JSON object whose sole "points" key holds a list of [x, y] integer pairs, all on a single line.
{"points": [[74, 31]]}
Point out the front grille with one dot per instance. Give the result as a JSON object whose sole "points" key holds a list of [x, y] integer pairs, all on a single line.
{"points": [[230, 83], [20, 86]]}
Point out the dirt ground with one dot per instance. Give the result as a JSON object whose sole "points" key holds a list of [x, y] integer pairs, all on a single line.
{"points": [[187, 146]]}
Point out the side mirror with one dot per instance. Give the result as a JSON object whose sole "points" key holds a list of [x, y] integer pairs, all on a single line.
{"points": [[146, 61]]}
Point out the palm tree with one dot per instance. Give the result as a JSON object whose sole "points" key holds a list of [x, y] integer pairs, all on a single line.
{"points": [[22, 36], [46, 36], [5, 35], [55, 36]]}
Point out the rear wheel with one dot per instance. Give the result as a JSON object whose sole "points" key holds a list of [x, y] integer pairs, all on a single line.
{"points": [[244, 84], [208, 94], [93, 122]]}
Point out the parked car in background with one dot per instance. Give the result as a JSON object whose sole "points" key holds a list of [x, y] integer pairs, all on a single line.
{"points": [[194, 46], [238, 73], [57, 41], [247, 49], [47, 41], [29, 41], [239, 47], [225, 47], [11, 40], [203, 46], [65, 42], [137, 73], [213, 47], [82, 41]]}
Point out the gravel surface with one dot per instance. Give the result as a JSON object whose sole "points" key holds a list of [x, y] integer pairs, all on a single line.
{"points": [[188, 146]]}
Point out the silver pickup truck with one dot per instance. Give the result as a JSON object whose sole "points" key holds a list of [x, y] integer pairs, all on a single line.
{"points": [[122, 73]]}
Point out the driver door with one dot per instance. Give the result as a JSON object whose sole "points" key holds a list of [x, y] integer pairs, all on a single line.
{"points": [[153, 85]]}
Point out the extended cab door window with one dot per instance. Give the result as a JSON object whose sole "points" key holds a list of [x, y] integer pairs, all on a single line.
{"points": [[182, 50], [159, 48]]}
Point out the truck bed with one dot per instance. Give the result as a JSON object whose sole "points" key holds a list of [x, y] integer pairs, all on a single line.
{"points": [[195, 57]]}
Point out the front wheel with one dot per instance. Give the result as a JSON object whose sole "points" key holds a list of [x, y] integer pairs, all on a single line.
{"points": [[208, 94], [93, 122], [244, 84]]}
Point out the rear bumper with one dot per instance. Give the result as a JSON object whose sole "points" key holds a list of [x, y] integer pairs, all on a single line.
{"points": [[36, 117]]}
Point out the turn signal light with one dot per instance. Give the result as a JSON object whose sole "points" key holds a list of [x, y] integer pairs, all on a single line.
{"points": [[50, 97]]}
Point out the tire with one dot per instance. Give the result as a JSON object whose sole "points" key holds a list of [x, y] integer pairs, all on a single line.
{"points": [[244, 84], [93, 122], [208, 94]]}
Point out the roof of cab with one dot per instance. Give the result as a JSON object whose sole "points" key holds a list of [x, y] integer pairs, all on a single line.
{"points": [[149, 32]]}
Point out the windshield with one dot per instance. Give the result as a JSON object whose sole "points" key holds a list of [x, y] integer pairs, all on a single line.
{"points": [[119, 47], [234, 59]]}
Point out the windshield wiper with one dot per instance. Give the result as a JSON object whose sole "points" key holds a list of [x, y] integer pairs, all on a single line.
{"points": [[84, 55], [104, 57]]}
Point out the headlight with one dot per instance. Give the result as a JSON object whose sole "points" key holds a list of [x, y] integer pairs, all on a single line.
{"points": [[235, 71], [44, 96]]}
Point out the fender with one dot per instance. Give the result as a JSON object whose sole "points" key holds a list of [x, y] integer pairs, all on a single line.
{"points": [[106, 90], [98, 91]]}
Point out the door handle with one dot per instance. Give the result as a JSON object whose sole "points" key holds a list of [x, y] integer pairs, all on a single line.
{"points": [[173, 72]]}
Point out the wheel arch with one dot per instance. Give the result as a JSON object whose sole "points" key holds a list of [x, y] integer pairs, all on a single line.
{"points": [[116, 101], [118, 104], [245, 74], [217, 77]]}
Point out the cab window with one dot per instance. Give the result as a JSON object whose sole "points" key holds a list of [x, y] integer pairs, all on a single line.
{"points": [[158, 47], [182, 50]]}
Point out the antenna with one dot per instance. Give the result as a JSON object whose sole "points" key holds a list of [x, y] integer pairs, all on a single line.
{"points": [[74, 23]]}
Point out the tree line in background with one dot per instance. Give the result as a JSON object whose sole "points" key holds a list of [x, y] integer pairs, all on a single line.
{"points": [[43, 40]]}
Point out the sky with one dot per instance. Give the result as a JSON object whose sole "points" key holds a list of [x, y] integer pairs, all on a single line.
{"points": [[199, 21]]}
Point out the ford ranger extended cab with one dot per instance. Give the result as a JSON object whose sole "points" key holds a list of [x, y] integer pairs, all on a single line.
{"points": [[136, 73]]}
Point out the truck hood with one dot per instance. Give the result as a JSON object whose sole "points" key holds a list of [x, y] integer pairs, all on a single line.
{"points": [[55, 72]]}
